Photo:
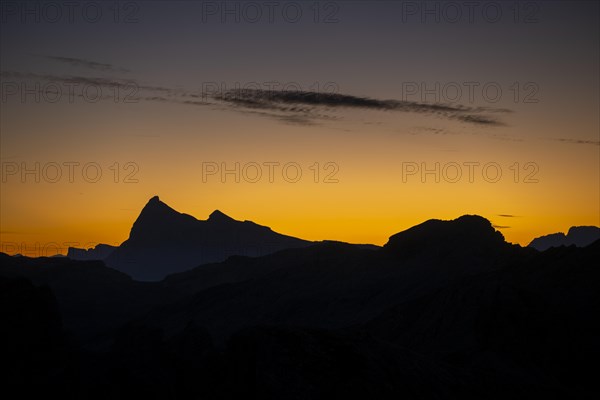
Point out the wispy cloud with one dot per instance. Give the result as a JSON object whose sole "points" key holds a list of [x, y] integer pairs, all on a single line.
{"points": [[83, 63], [126, 87], [477, 119], [292, 107], [578, 141], [71, 79], [500, 227], [508, 216], [310, 103]]}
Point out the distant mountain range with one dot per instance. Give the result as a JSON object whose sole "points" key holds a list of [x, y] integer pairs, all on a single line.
{"points": [[163, 241], [579, 236], [100, 252], [446, 309]]}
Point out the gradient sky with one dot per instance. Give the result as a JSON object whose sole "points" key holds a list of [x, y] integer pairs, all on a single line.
{"points": [[165, 58]]}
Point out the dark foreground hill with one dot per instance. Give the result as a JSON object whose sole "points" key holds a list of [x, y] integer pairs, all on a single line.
{"points": [[446, 309]]}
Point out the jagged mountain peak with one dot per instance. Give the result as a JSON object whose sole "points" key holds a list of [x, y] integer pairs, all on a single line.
{"points": [[155, 205], [164, 241]]}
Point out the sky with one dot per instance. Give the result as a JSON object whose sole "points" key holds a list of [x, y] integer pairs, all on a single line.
{"points": [[340, 120]]}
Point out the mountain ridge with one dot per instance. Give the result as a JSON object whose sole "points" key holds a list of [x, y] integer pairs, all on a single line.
{"points": [[491, 320], [579, 236], [163, 241]]}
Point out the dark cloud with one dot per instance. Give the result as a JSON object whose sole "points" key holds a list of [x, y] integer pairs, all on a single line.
{"points": [[296, 120], [294, 107], [83, 80], [508, 216], [125, 90], [579, 141], [195, 103], [477, 119], [80, 62], [309, 102], [417, 130]]}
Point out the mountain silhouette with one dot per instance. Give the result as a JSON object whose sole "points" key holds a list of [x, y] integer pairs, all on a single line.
{"points": [[420, 260], [579, 236], [163, 241], [446, 309], [99, 252], [470, 233]]}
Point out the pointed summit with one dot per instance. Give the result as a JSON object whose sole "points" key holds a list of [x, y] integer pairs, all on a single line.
{"points": [[155, 208], [218, 216], [155, 218]]}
